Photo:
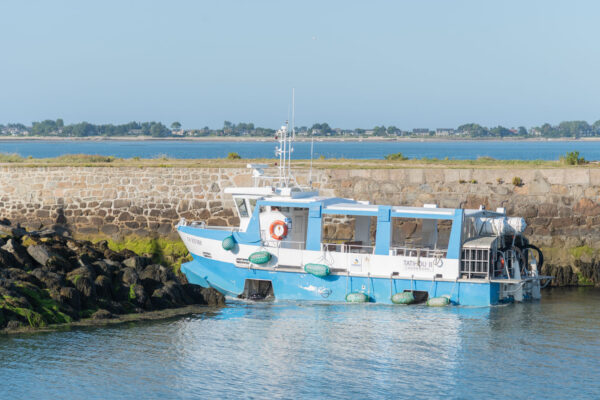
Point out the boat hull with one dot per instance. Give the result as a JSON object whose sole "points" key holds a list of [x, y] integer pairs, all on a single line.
{"points": [[230, 280]]}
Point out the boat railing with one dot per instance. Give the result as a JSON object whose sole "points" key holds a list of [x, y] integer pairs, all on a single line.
{"points": [[203, 225], [347, 248], [424, 252], [284, 244]]}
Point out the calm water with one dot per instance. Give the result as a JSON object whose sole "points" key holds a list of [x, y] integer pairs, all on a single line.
{"points": [[549, 349], [371, 150]]}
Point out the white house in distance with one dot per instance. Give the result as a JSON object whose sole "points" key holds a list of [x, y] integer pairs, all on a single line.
{"points": [[420, 132], [444, 132]]}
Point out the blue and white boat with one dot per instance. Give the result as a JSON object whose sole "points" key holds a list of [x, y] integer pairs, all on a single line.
{"points": [[294, 244]]}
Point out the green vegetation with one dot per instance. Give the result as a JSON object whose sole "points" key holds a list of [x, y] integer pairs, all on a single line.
{"points": [[10, 158], [578, 252], [44, 310], [517, 181], [572, 158], [131, 292], [583, 281], [234, 156], [162, 250], [565, 129], [396, 157], [392, 161]]}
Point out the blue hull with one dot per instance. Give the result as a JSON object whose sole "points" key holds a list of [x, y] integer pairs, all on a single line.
{"points": [[230, 280]]}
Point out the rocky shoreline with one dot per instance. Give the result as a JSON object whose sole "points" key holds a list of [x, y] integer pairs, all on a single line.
{"points": [[48, 279]]}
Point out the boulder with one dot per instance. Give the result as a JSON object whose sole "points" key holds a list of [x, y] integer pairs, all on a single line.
{"points": [[40, 253], [169, 295], [17, 274], [101, 267], [7, 260], [8, 230], [129, 277], [138, 263], [154, 275], [102, 314], [113, 306], [71, 297], [201, 295], [58, 263], [19, 252], [83, 280], [103, 287], [139, 297], [84, 271], [49, 279]]}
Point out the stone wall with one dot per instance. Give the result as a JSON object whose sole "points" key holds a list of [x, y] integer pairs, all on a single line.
{"points": [[561, 205]]}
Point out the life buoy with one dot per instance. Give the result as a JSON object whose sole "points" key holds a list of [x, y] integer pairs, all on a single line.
{"points": [[278, 230]]}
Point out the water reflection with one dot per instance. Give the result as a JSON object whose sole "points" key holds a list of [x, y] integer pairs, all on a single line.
{"points": [[301, 350]]}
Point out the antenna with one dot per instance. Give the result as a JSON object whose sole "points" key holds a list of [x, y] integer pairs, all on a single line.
{"points": [[293, 135], [312, 145]]}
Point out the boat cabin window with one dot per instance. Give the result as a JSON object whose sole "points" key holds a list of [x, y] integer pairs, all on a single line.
{"points": [[283, 227], [252, 203], [349, 233], [241, 206], [418, 235]]}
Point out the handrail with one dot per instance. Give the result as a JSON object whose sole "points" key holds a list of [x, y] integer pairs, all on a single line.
{"points": [[202, 225], [419, 252], [284, 244], [347, 248]]}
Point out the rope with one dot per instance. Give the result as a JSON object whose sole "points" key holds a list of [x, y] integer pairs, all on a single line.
{"points": [[453, 285], [347, 278], [431, 288]]}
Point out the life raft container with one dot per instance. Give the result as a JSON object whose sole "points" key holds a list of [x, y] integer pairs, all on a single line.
{"points": [[278, 230]]}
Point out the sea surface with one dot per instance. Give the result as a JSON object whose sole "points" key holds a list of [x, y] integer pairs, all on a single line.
{"points": [[547, 350], [518, 150]]}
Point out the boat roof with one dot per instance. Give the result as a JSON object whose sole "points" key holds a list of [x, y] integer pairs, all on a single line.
{"points": [[286, 197]]}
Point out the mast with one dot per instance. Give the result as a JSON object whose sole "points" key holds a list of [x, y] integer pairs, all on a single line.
{"points": [[285, 149], [292, 138]]}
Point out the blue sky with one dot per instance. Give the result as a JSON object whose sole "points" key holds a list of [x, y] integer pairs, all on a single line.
{"points": [[428, 63]]}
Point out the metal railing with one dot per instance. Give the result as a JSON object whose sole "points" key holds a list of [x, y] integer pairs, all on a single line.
{"points": [[424, 252], [284, 244], [347, 248], [202, 225], [475, 263]]}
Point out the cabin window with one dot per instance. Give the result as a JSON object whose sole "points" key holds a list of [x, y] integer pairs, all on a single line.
{"points": [[296, 221], [252, 203], [419, 235], [241, 206], [349, 233]]}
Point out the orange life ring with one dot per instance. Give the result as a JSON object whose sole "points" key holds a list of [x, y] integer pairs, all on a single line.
{"points": [[278, 230]]}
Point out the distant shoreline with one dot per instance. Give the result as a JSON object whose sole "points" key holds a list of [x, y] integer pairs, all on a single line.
{"points": [[271, 139]]}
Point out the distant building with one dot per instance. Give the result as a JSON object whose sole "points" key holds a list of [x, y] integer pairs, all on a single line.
{"points": [[420, 132], [444, 132], [535, 132], [177, 132]]}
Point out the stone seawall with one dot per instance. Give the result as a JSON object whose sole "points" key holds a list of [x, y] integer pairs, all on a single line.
{"points": [[561, 205]]}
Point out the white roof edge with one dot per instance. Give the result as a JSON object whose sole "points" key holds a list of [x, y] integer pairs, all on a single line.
{"points": [[267, 190]]}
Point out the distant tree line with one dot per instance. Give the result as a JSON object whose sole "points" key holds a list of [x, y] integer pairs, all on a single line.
{"points": [[569, 129]]}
